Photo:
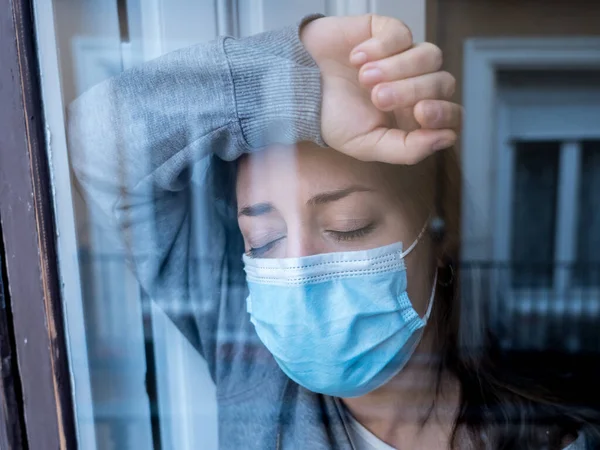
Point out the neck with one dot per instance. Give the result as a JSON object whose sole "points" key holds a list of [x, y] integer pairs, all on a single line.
{"points": [[412, 404]]}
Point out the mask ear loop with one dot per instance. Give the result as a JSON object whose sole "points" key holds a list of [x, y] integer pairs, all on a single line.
{"points": [[410, 249], [437, 225], [431, 298], [416, 241]]}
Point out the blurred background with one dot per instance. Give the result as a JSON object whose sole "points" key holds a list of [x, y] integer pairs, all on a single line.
{"points": [[529, 221]]}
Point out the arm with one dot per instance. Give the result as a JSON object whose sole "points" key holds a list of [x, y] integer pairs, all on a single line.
{"points": [[134, 139]]}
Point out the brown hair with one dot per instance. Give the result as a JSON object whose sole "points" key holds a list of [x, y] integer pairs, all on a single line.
{"points": [[509, 399]]}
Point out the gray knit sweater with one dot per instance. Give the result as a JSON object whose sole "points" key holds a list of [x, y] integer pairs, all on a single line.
{"points": [[134, 141]]}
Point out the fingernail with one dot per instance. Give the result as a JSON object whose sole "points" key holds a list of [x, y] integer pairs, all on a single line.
{"points": [[358, 58], [385, 97], [373, 75], [442, 144]]}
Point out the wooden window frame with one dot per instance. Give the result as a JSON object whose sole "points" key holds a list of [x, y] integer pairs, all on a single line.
{"points": [[35, 320], [11, 411]]}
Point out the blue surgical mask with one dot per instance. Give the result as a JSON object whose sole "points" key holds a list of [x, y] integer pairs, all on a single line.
{"points": [[339, 324]]}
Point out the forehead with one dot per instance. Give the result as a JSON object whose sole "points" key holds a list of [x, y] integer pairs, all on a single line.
{"points": [[303, 169]]}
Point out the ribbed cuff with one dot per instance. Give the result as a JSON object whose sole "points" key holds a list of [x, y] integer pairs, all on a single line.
{"points": [[277, 87]]}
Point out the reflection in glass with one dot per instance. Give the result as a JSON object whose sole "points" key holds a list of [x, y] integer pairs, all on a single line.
{"points": [[588, 235], [534, 213]]}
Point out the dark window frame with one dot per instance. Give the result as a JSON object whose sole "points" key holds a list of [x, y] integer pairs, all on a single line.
{"points": [[44, 416]]}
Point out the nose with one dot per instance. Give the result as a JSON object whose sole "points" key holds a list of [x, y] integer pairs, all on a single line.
{"points": [[302, 242]]}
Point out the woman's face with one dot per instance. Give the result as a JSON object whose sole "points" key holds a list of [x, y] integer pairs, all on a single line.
{"points": [[308, 200]]}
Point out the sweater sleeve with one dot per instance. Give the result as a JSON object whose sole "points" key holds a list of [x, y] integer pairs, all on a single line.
{"points": [[135, 139]]}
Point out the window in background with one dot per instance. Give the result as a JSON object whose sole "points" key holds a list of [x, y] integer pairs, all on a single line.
{"points": [[546, 271], [534, 213], [588, 230]]}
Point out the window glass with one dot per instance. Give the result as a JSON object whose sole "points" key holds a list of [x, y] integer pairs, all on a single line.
{"points": [[534, 213], [258, 203], [588, 238]]}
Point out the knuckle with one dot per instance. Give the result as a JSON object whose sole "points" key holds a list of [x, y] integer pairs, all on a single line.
{"points": [[432, 112], [412, 157], [414, 91], [450, 117], [381, 46], [403, 33], [403, 30], [396, 32], [385, 23], [447, 84], [436, 55], [373, 23], [427, 58], [378, 23], [417, 60], [451, 87]]}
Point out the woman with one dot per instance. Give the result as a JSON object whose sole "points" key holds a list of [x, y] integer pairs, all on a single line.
{"points": [[338, 350], [328, 252]]}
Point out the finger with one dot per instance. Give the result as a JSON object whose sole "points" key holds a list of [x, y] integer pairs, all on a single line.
{"points": [[408, 92], [394, 146], [388, 36], [421, 59], [438, 114]]}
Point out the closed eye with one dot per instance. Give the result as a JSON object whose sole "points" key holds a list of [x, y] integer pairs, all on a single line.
{"points": [[258, 252], [352, 234]]}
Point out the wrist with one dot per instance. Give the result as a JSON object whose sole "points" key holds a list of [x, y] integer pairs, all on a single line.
{"points": [[307, 32], [277, 88]]}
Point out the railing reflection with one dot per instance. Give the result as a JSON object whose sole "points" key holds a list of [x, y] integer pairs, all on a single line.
{"points": [[529, 306], [534, 306]]}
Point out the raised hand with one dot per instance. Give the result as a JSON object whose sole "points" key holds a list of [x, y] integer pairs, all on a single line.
{"points": [[384, 98]]}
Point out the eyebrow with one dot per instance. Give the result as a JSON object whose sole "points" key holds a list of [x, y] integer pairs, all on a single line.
{"points": [[260, 209], [338, 194]]}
